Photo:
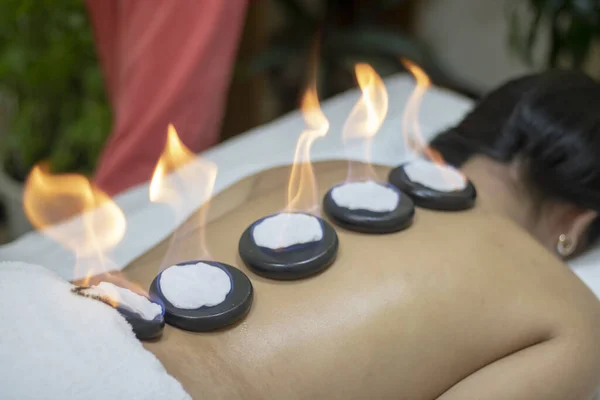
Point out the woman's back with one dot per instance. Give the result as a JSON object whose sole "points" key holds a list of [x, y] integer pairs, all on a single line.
{"points": [[406, 315]]}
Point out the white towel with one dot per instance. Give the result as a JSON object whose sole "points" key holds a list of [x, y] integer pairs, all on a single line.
{"points": [[55, 344]]}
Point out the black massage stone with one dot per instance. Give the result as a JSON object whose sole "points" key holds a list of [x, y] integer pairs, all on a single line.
{"points": [[427, 197], [367, 221], [235, 307], [144, 329], [293, 262]]}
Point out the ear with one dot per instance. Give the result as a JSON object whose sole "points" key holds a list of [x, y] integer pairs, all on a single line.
{"points": [[579, 224]]}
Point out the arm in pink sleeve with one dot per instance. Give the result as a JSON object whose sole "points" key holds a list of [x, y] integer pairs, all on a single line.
{"points": [[165, 62]]}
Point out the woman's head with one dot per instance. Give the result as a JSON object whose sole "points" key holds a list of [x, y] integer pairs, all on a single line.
{"points": [[546, 129]]}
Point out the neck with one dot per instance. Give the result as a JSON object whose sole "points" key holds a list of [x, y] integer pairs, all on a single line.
{"points": [[499, 190]]}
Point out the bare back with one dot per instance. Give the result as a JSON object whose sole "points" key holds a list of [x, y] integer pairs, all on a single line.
{"points": [[397, 316]]}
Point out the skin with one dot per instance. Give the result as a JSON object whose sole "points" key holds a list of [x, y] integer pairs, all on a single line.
{"points": [[459, 306], [502, 191]]}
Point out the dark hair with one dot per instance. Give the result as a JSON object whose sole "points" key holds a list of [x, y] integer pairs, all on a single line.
{"points": [[550, 122], [480, 129]]}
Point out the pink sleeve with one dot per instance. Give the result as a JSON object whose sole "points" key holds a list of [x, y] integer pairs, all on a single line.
{"points": [[165, 62]]}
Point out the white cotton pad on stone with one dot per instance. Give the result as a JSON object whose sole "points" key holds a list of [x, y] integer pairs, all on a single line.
{"points": [[126, 299], [287, 229], [56, 344], [442, 178], [367, 195], [195, 285]]}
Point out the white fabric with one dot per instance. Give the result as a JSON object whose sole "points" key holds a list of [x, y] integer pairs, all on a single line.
{"points": [[55, 344], [262, 148]]}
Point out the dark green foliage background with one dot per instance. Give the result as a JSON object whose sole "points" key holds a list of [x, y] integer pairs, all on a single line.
{"points": [[49, 67]]}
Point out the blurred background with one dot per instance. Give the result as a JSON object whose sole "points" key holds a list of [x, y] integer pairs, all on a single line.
{"points": [[53, 105]]}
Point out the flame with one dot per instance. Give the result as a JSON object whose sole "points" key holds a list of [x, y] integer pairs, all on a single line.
{"points": [[112, 297], [106, 293], [51, 201], [411, 128], [174, 156], [370, 111], [180, 175], [85, 282], [302, 188], [366, 117]]}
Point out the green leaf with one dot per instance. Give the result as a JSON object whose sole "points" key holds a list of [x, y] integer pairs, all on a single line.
{"points": [[48, 63]]}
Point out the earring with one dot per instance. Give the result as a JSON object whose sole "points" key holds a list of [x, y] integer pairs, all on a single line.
{"points": [[565, 246]]}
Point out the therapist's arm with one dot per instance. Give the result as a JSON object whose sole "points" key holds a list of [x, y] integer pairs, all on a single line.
{"points": [[164, 62]]}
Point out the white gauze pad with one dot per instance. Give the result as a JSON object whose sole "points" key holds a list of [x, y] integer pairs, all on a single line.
{"points": [[442, 178], [367, 195], [195, 285], [287, 229], [126, 299]]}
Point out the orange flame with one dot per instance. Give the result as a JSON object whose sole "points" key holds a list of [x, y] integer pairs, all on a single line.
{"points": [[174, 156], [411, 129], [86, 281], [177, 174], [367, 116], [302, 188], [370, 111], [108, 294], [52, 201]]}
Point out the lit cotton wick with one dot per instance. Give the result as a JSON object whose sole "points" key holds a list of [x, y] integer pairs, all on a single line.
{"points": [[363, 204], [365, 120], [179, 177], [193, 286], [430, 182], [287, 229], [294, 244], [124, 298], [442, 178], [366, 195]]}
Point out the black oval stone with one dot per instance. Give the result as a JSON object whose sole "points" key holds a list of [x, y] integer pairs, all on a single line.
{"points": [[293, 262], [236, 305], [144, 329], [367, 221], [427, 197]]}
